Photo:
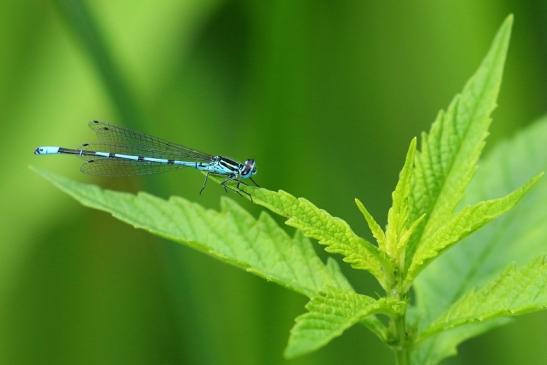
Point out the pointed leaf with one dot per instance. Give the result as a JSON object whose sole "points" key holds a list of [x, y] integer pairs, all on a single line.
{"points": [[516, 291], [329, 315], [330, 231], [466, 222], [519, 235], [374, 227], [450, 151], [434, 349], [398, 215], [231, 235]]}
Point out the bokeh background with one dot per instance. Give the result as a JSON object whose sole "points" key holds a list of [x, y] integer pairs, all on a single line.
{"points": [[324, 94]]}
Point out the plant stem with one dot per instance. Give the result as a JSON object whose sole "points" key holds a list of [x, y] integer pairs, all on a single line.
{"points": [[402, 355], [398, 332]]}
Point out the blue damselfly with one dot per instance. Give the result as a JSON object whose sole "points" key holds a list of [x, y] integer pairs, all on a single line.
{"points": [[125, 152]]}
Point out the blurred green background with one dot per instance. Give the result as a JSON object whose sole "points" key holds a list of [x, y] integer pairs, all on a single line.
{"points": [[324, 94]]}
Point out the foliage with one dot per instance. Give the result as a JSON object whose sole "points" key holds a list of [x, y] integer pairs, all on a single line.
{"points": [[231, 234], [424, 221], [329, 315], [330, 231], [515, 291], [518, 237]]}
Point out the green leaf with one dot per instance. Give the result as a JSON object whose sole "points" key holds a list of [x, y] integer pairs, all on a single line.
{"points": [[330, 231], [335, 274], [397, 231], [374, 227], [433, 350], [329, 315], [464, 223], [231, 235], [450, 151], [398, 228], [519, 236], [516, 291]]}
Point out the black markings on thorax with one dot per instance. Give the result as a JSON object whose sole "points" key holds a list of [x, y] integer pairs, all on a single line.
{"points": [[229, 164]]}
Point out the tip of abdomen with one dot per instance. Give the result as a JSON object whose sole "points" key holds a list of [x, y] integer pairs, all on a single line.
{"points": [[46, 150]]}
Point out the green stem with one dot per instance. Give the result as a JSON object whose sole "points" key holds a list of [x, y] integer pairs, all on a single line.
{"points": [[398, 331], [402, 355]]}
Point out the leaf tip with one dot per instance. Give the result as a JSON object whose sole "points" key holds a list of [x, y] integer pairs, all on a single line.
{"points": [[36, 170], [289, 353], [506, 28], [49, 176], [411, 152], [533, 181], [413, 142]]}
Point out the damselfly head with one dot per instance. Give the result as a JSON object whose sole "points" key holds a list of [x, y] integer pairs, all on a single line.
{"points": [[249, 168]]}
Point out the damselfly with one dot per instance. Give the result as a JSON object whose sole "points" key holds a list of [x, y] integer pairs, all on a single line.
{"points": [[124, 152]]}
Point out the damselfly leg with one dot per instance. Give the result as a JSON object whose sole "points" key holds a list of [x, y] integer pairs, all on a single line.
{"points": [[236, 188], [254, 182], [204, 184]]}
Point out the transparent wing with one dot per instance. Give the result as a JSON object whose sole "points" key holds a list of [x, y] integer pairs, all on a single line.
{"points": [[119, 167], [136, 150], [133, 141]]}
